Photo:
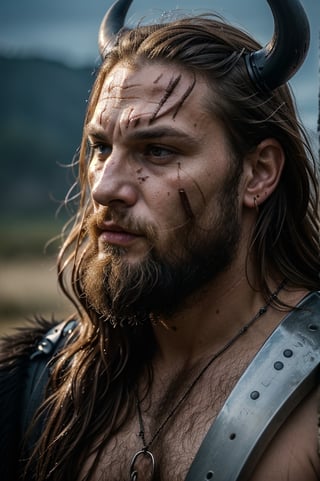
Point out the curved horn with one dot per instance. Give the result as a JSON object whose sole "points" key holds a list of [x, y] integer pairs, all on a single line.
{"points": [[268, 67], [279, 60], [111, 24]]}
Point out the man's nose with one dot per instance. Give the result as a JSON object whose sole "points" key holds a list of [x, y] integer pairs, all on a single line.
{"points": [[114, 182]]}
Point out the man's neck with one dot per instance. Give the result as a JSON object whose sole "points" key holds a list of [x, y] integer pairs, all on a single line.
{"points": [[208, 319], [214, 315]]}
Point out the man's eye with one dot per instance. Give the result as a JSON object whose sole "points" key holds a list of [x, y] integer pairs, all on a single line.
{"points": [[158, 151], [100, 148]]}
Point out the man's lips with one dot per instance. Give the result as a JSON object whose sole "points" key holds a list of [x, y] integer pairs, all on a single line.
{"points": [[115, 234]]}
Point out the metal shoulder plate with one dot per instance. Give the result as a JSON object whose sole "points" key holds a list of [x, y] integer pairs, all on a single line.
{"points": [[281, 375]]}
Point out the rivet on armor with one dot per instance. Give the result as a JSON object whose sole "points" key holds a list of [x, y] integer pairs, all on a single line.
{"points": [[255, 395], [278, 365], [209, 475], [312, 327], [232, 436], [287, 353]]}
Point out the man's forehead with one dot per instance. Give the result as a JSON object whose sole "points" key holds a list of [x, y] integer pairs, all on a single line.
{"points": [[124, 81], [135, 96], [120, 77]]}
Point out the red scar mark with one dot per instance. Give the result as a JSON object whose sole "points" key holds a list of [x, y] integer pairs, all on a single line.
{"points": [[184, 98], [185, 203], [158, 78], [174, 81]]}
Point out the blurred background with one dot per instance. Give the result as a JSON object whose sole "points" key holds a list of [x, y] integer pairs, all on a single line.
{"points": [[48, 53]]}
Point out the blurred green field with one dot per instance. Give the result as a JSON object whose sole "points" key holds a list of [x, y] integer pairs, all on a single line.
{"points": [[43, 104], [28, 284]]}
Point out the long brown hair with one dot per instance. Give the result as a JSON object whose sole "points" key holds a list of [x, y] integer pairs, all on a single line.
{"points": [[90, 394]]}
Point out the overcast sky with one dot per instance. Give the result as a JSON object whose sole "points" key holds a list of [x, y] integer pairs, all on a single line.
{"points": [[67, 30]]}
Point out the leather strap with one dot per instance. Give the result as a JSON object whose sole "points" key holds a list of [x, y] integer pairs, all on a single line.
{"points": [[281, 375]]}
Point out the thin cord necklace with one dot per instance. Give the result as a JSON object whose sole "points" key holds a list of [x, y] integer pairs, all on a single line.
{"points": [[145, 450]]}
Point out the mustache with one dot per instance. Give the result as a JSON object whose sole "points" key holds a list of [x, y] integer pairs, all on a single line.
{"points": [[122, 219]]}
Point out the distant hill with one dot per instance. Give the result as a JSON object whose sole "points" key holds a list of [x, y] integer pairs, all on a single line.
{"points": [[42, 111]]}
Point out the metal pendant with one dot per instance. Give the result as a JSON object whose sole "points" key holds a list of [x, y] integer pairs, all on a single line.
{"points": [[134, 472]]}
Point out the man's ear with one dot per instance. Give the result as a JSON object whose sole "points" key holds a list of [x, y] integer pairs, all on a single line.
{"points": [[262, 172]]}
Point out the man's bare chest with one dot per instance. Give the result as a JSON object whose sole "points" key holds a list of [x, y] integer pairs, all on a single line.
{"points": [[172, 436], [172, 451], [177, 444]]}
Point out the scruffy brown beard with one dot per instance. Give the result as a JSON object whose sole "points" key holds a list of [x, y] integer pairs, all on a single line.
{"points": [[130, 294]]}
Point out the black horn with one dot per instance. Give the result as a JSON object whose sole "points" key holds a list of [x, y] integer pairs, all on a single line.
{"points": [[268, 67], [278, 61], [111, 24]]}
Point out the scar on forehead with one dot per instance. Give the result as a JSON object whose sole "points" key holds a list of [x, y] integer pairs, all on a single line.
{"points": [[158, 78], [102, 113], [128, 117], [174, 81], [184, 98], [136, 122], [132, 121], [124, 86]]}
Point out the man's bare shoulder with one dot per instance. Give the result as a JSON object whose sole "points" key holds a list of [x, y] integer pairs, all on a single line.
{"points": [[293, 453]]}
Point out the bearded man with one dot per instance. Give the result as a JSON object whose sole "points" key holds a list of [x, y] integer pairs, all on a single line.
{"points": [[197, 237]]}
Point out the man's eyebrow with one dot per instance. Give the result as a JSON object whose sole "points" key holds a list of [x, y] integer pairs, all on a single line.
{"points": [[143, 134], [158, 133], [95, 130]]}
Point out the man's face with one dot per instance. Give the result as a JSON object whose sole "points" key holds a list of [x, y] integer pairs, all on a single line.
{"points": [[164, 191]]}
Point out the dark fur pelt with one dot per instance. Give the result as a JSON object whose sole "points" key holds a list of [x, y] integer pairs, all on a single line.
{"points": [[15, 351]]}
